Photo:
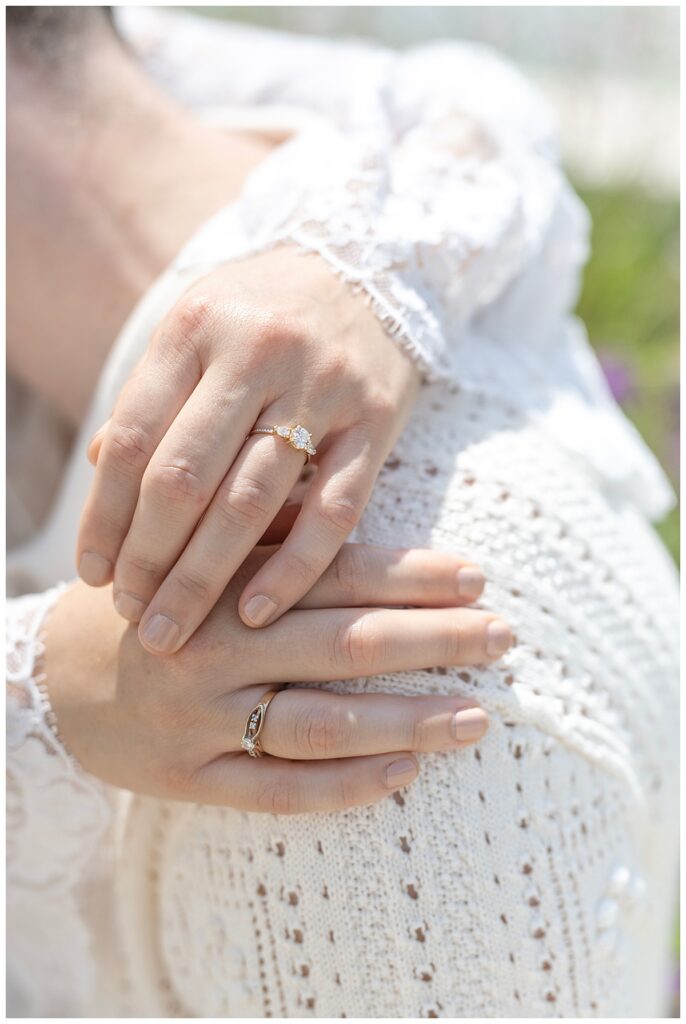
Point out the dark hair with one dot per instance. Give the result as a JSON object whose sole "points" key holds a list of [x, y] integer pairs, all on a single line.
{"points": [[49, 34]]}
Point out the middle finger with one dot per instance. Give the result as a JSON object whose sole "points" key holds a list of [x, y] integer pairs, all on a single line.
{"points": [[246, 501], [346, 643]]}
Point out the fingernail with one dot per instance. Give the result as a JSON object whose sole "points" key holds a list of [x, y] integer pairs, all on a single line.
{"points": [[498, 638], [470, 581], [400, 772], [259, 609], [161, 633], [469, 724], [129, 606], [94, 569]]}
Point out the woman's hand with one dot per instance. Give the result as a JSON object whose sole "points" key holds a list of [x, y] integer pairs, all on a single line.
{"points": [[171, 727], [180, 497]]}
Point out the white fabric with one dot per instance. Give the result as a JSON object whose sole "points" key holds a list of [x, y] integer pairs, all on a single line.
{"points": [[531, 876]]}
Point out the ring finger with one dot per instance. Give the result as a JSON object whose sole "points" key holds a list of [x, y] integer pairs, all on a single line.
{"points": [[310, 724]]}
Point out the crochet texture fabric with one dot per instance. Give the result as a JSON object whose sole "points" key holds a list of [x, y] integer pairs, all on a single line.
{"points": [[533, 875]]}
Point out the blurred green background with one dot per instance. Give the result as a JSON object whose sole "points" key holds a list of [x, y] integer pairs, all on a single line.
{"points": [[630, 303]]}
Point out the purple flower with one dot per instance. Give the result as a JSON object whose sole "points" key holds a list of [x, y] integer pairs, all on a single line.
{"points": [[619, 376]]}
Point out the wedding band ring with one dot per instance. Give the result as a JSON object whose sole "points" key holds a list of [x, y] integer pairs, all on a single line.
{"points": [[255, 724], [298, 437]]}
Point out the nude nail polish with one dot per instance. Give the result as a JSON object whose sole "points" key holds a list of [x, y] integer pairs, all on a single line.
{"points": [[95, 569], [259, 608], [469, 724], [470, 581], [161, 633], [498, 638], [129, 606], [400, 772]]}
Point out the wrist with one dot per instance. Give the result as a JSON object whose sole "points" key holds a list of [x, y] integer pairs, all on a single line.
{"points": [[81, 639]]}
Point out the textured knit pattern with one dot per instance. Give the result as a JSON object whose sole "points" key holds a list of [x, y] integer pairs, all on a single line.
{"points": [[533, 874]]}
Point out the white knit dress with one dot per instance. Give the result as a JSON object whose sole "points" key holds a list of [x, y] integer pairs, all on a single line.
{"points": [[531, 875]]}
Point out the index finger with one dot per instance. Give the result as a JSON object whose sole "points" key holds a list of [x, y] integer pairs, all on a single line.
{"points": [[146, 407]]}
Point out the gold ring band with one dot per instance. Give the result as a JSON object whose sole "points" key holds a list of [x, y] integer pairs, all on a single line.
{"points": [[298, 437], [255, 724]]}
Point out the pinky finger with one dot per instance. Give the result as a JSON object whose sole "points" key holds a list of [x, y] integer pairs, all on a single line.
{"points": [[273, 785]]}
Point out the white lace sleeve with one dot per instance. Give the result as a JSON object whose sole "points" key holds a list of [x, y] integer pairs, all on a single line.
{"points": [[429, 180], [432, 195], [57, 815]]}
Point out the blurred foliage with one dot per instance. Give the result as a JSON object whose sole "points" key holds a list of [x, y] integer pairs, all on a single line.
{"points": [[630, 304]]}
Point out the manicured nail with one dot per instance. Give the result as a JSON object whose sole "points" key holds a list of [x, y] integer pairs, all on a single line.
{"points": [[498, 638], [129, 606], [469, 724], [400, 772], [94, 569], [258, 609], [470, 581], [161, 633]]}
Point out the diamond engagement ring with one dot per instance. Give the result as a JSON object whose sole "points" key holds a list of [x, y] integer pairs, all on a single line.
{"points": [[253, 727], [298, 437]]}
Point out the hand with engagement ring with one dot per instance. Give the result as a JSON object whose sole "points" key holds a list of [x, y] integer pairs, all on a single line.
{"points": [[208, 437], [227, 719]]}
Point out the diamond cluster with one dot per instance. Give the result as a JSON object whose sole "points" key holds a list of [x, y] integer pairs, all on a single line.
{"points": [[298, 437], [253, 728]]}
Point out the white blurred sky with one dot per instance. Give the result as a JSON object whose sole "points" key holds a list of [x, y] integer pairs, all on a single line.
{"points": [[612, 73]]}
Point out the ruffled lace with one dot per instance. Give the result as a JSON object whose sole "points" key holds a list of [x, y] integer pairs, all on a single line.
{"points": [[57, 816], [443, 202]]}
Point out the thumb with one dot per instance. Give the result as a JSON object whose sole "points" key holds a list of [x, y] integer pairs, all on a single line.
{"points": [[95, 443]]}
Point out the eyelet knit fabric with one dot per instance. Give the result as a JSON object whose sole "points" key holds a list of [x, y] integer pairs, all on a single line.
{"points": [[531, 875]]}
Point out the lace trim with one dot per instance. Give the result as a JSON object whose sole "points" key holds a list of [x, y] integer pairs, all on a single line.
{"points": [[49, 793]]}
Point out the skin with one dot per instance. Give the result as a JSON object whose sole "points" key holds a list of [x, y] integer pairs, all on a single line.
{"points": [[180, 497], [98, 206], [171, 726], [107, 180], [275, 339]]}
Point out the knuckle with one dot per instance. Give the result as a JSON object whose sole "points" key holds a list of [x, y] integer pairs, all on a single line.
{"points": [[278, 796], [347, 791], [128, 447], [244, 502], [416, 734], [269, 334], [134, 565], [351, 570], [340, 513], [323, 731], [357, 646], [382, 410], [454, 643], [299, 570], [337, 366], [177, 485], [282, 324], [193, 586], [191, 321]]}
